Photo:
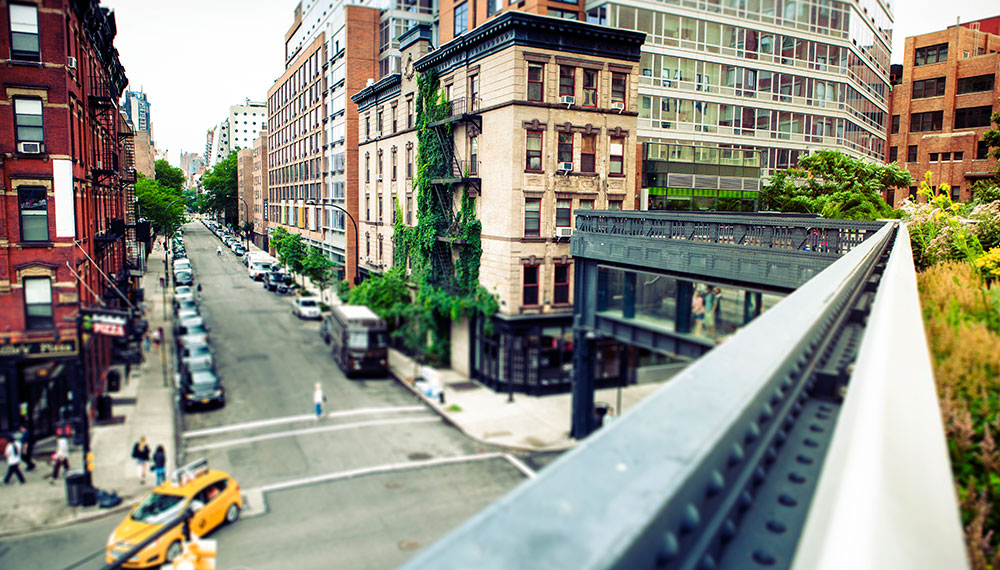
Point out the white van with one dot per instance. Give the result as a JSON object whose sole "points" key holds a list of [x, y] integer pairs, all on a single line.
{"points": [[259, 265]]}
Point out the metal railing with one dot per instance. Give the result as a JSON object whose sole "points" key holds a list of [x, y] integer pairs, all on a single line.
{"points": [[716, 469], [463, 105]]}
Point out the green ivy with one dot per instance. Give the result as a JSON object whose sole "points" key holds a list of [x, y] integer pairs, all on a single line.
{"points": [[440, 294]]}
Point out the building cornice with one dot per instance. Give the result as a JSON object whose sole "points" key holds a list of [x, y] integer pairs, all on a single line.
{"points": [[384, 89]]}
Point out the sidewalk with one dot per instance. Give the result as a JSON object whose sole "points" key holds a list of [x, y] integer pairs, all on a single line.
{"points": [[143, 406]]}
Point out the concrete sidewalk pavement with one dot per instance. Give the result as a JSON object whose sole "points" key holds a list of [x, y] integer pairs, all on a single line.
{"points": [[143, 406]]}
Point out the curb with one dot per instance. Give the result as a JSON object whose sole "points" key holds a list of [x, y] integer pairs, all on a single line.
{"points": [[89, 516], [448, 420]]}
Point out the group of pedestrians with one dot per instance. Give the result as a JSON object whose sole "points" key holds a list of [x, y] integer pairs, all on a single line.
{"points": [[141, 456], [19, 450]]}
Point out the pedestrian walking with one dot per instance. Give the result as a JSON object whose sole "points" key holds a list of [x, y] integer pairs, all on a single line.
{"points": [[60, 458], [199, 292], [13, 455], [319, 398], [157, 336], [147, 341], [27, 445], [160, 464], [140, 453]]}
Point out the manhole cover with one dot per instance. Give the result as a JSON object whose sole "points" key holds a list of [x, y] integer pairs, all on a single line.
{"points": [[419, 456], [409, 544], [393, 485]]}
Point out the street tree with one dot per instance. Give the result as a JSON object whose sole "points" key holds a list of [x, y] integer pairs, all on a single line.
{"points": [[220, 189], [163, 207], [168, 176], [318, 268], [834, 185]]}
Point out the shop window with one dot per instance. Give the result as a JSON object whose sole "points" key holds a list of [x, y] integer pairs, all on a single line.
{"points": [[533, 151], [37, 303], [536, 77], [33, 205], [532, 216], [560, 285], [530, 285]]}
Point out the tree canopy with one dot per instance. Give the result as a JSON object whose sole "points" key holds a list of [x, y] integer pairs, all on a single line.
{"points": [[834, 185], [168, 176], [163, 206], [290, 249], [220, 189], [318, 267], [992, 139]]}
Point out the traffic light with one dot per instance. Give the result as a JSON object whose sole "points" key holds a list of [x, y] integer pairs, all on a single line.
{"points": [[90, 461]]}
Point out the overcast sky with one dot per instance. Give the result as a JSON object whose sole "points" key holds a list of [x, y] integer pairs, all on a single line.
{"points": [[195, 58]]}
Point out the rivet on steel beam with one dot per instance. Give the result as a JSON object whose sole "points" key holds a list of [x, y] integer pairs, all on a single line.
{"points": [[787, 500], [753, 432], [746, 500], [669, 548], [691, 519], [796, 478], [715, 483], [764, 558], [804, 459], [708, 563], [766, 413], [759, 475], [810, 442], [787, 383], [822, 415], [777, 527], [728, 530], [779, 395], [736, 454], [816, 428]]}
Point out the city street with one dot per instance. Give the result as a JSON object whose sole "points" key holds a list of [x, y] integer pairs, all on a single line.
{"points": [[366, 486]]}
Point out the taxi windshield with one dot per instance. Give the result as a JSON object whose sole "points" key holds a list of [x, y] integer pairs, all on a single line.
{"points": [[158, 508]]}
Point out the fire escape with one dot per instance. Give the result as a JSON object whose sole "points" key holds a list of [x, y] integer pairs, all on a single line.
{"points": [[127, 177], [458, 174], [109, 225]]}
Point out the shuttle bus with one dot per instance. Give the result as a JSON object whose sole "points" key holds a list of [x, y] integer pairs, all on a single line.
{"points": [[358, 340]]}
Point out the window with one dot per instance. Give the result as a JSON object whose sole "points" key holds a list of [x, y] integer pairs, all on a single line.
{"points": [[378, 166], [893, 153], [929, 121], [368, 170], [368, 128], [564, 213], [368, 207], [614, 204], [530, 284], [982, 150], [533, 151], [564, 14], [461, 19], [565, 152], [589, 87], [586, 205], [28, 120], [931, 54], [493, 6], [33, 204], [532, 216], [24, 32], [378, 123], [560, 285], [409, 210], [394, 123], [473, 93], [535, 81], [895, 124], [618, 83], [933, 87], [911, 153], [932, 157], [958, 156], [588, 153], [37, 303], [616, 156], [567, 80], [393, 159], [945, 156], [409, 163], [474, 155], [913, 192], [409, 113], [970, 117], [956, 193], [975, 84]]}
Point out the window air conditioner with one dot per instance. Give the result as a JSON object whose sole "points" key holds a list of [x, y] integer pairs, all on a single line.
{"points": [[30, 147], [566, 166], [564, 232], [618, 106], [567, 100], [71, 62]]}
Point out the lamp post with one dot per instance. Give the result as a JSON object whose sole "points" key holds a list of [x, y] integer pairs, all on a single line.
{"points": [[357, 241], [246, 236]]}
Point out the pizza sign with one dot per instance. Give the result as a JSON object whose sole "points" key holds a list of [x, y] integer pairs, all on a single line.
{"points": [[105, 323]]}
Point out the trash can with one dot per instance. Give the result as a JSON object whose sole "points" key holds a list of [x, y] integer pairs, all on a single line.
{"points": [[114, 381], [104, 407], [88, 496], [76, 481]]}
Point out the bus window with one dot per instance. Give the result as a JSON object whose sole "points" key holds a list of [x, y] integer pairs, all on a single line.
{"points": [[379, 340], [357, 339]]}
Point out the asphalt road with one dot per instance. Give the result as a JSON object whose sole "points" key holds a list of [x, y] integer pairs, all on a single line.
{"points": [[366, 486]]}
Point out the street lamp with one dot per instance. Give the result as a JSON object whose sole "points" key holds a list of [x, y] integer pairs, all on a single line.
{"points": [[246, 234], [357, 242]]}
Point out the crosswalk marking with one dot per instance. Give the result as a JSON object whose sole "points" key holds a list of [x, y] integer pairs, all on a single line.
{"points": [[300, 418], [306, 431]]}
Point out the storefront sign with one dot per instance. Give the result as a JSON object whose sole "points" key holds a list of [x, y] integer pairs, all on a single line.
{"points": [[45, 349], [105, 323]]}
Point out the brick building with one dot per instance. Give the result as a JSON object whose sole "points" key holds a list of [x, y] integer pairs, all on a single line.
{"points": [[244, 188], [456, 18], [259, 204], [941, 107], [67, 228]]}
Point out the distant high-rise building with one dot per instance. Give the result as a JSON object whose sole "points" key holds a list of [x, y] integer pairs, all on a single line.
{"points": [[136, 107], [238, 130]]}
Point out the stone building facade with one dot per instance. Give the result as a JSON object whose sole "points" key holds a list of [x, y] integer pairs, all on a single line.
{"points": [[244, 189], [259, 203], [942, 106]]}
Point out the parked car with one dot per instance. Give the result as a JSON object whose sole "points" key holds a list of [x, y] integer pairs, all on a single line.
{"points": [[183, 277], [186, 314], [191, 326], [196, 356], [275, 279], [306, 308], [239, 250], [212, 495], [201, 388], [187, 304]]}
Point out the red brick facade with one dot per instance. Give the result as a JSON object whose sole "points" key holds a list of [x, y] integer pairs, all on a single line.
{"points": [[937, 137], [75, 181]]}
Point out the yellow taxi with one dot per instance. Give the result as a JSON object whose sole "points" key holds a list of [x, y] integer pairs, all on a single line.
{"points": [[211, 495]]}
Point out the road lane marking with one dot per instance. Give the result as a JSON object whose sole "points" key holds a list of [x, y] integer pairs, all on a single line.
{"points": [[292, 419], [306, 431], [520, 465]]}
